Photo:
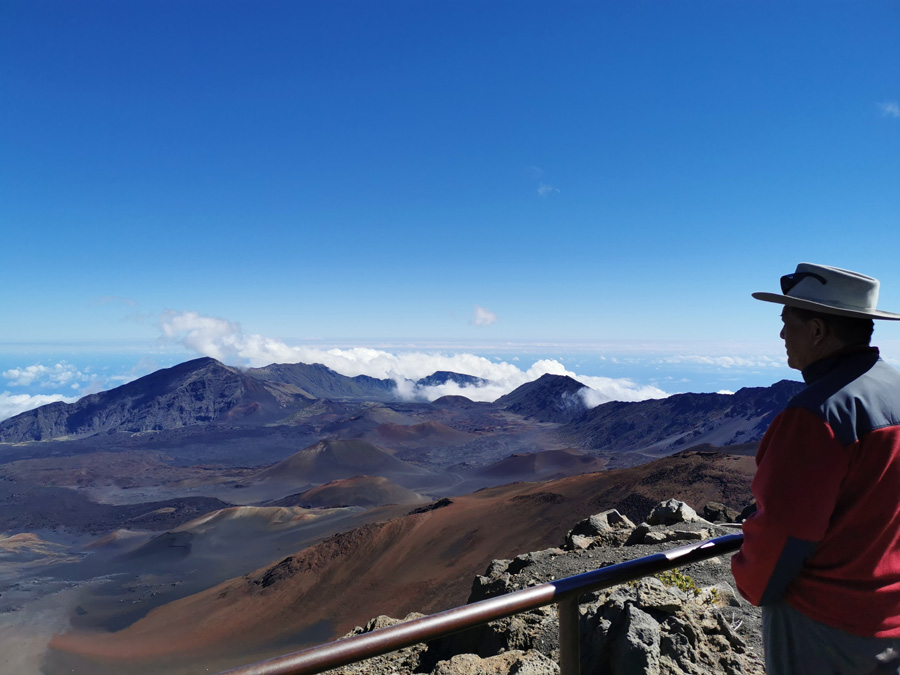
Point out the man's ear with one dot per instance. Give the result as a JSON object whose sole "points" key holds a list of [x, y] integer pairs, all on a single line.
{"points": [[819, 329]]}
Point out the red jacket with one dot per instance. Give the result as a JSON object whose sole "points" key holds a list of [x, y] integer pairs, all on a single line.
{"points": [[826, 533]]}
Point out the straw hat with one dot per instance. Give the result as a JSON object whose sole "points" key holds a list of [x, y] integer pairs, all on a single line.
{"points": [[830, 290]]}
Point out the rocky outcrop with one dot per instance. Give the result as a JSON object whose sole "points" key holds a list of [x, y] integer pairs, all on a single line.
{"points": [[686, 621], [606, 527], [663, 625], [410, 659]]}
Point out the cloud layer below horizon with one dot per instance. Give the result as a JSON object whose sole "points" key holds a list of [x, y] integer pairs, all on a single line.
{"points": [[57, 379], [224, 340]]}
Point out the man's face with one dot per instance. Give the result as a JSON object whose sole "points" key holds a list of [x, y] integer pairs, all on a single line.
{"points": [[798, 340]]}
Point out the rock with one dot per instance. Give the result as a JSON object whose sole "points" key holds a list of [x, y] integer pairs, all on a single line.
{"points": [[690, 535], [715, 512], [514, 662], [528, 559], [490, 586], [653, 594], [606, 527], [747, 511], [637, 535], [722, 594], [382, 621], [658, 537], [672, 512], [648, 627], [575, 542], [637, 650], [534, 630], [405, 660]]}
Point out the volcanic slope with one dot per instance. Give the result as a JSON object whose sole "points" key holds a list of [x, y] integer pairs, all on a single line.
{"points": [[679, 421], [412, 435], [545, 465], [320, 381], [28, 507], [550, 398], [25, 550], [420, 562], [135, 572], [193, 393], [338, 459], [527, 466], [213, 535], [365, 491]]}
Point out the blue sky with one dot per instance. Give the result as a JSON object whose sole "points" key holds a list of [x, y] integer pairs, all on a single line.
{"points": [[486, 171]]}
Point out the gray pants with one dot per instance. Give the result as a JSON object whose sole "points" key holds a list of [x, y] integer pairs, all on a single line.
{"points": [[797, 645]]}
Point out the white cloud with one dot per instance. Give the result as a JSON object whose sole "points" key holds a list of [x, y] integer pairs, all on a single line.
{"points": [[13, 404], [58, 375], [890, 108], [483, 316], [604, 389], [218, 338], [224, 340], [545, 189], [761, 361]]}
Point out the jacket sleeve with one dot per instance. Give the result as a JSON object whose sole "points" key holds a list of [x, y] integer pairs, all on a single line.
{"points": [[800, 466]]}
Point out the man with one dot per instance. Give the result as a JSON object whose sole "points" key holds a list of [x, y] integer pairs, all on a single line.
{"points": [[821, 554]]}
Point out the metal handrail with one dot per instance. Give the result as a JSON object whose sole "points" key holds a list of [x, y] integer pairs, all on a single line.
{"points": [[564, 592]]}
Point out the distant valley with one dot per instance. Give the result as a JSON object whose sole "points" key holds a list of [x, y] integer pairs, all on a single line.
{"points": [[146, 495]]}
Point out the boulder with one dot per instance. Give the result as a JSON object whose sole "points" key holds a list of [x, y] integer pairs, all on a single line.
{"points": [[514, 662], [405, 660], [608, 527], [637, 534], [650, 628], [715, 512], [672, 512], [636, 652]]}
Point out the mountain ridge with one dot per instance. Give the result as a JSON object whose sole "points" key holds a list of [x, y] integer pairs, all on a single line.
{"points": [[196, 392], [681, 420], [320, 381]]}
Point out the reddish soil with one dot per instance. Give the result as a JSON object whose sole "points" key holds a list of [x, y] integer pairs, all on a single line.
{"points": [[364, 491], [419, 562], [544, 464], [427, 433]]}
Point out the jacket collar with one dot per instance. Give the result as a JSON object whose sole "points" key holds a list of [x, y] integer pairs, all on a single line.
{"points": [[824, 366]]}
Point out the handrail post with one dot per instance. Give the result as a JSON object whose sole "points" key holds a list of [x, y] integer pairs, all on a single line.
{"points": [[569, 636]]}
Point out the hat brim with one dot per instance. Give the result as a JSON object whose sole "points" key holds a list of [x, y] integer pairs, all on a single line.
{"points": [[825, 309]]}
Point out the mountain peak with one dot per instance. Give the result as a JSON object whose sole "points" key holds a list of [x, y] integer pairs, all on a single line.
{"points": [[196, 392], [550, 398]]}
